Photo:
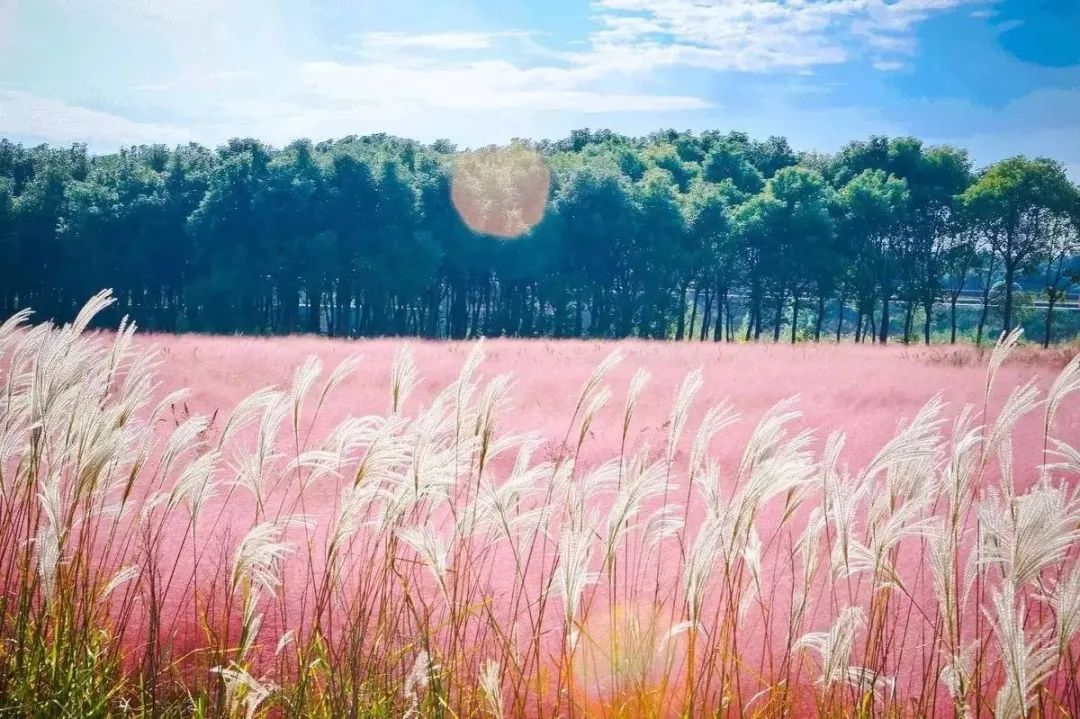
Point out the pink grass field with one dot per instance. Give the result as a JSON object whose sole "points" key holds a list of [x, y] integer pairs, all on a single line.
{"points": [[862, 391]]}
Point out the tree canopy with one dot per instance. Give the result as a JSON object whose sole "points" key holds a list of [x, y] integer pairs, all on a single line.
{"points": [[703, 236]]}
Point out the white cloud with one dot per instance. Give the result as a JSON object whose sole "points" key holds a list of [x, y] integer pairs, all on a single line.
{"points": [[888, 65], [762, 35], [26, 115], [489, 85], [381, 42], [1040, 123]]}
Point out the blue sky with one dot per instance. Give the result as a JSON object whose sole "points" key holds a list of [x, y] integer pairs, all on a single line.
{"points": [[999, 77]]}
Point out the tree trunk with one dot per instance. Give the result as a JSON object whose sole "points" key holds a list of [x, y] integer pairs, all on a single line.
{"points": [[1049, 319], [952, 318], [1010, 270], [778, 317], [840, 318], [883, 335], [706, 316], [927, 321], [693, 312], [909, 320], [730, 330], [794, 317], [819, 320], [680, 323], [718, 328]]}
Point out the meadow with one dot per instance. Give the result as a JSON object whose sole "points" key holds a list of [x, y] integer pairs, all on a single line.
{"points": [[506, 528]]}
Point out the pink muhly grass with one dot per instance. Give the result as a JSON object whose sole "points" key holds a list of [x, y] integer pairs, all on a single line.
{"points": [[534, 528]]}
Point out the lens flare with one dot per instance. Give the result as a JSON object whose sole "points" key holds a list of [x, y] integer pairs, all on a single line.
{"points": [[501, 191], [622, 658]]}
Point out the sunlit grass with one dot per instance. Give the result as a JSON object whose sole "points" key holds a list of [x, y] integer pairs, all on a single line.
{"points": [[423, 562]]}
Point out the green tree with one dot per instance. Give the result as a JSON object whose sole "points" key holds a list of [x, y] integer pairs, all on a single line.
{"points": [[1017, 199]]}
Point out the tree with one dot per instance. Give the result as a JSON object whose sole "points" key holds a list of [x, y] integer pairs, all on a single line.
{"points": [[1017, 200], [676, 233], [873, 207], [781, 228], [713, 263], [1058, 261]]}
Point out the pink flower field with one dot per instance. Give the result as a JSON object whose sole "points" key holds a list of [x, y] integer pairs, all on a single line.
{"points": [[536, 528], [862, 390]]}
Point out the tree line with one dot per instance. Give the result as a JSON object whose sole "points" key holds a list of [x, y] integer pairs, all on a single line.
{"points": [[703, 236]]}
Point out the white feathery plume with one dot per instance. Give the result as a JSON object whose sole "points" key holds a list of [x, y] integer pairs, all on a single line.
{"points": [[596, 378], [956, 675], [885, 533], [354, 503], [751, 556], [843, 497], [491, 686], [572, 573], [247, 410], [1065, 600], [122, 577], [416, 682], [959, 475], [1000, 353], [942, 552], [1033, 532], [680, 409], [303, 380], [49, 540], [1067, 382], [643, 481], [599, 481], [868, 680], [699, 564], [491, 401], [433, 550], [1020, 401], [10, 326], [47, 544], [259, 552], [772, 465], [716, 419], [195, 486], [1070, 454], [919, 439], [182, 439], [95, 305], [168, 402], [284, 641], [403, 378], [637, 385], [590, 408], [339, 375], [835, 645], [321, 463], [663, 523], [807, 546], [243, 691], [1027, 664]]}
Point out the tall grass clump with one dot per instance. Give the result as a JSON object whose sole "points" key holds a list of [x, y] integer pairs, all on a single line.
{"points": [[420, 561]]}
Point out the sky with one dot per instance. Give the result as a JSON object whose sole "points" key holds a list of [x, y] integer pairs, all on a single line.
{"points": [[997, 77]]}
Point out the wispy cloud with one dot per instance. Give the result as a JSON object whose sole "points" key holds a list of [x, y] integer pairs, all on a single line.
{"points": [[761, 35], [488, 85], [375, 42], [29, 116]]}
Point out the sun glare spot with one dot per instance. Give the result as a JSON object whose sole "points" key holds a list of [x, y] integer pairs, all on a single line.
{"points": [[501, 191]]}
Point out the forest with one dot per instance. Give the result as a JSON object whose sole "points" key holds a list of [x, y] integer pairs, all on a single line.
{"points": [[689, 236]]}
